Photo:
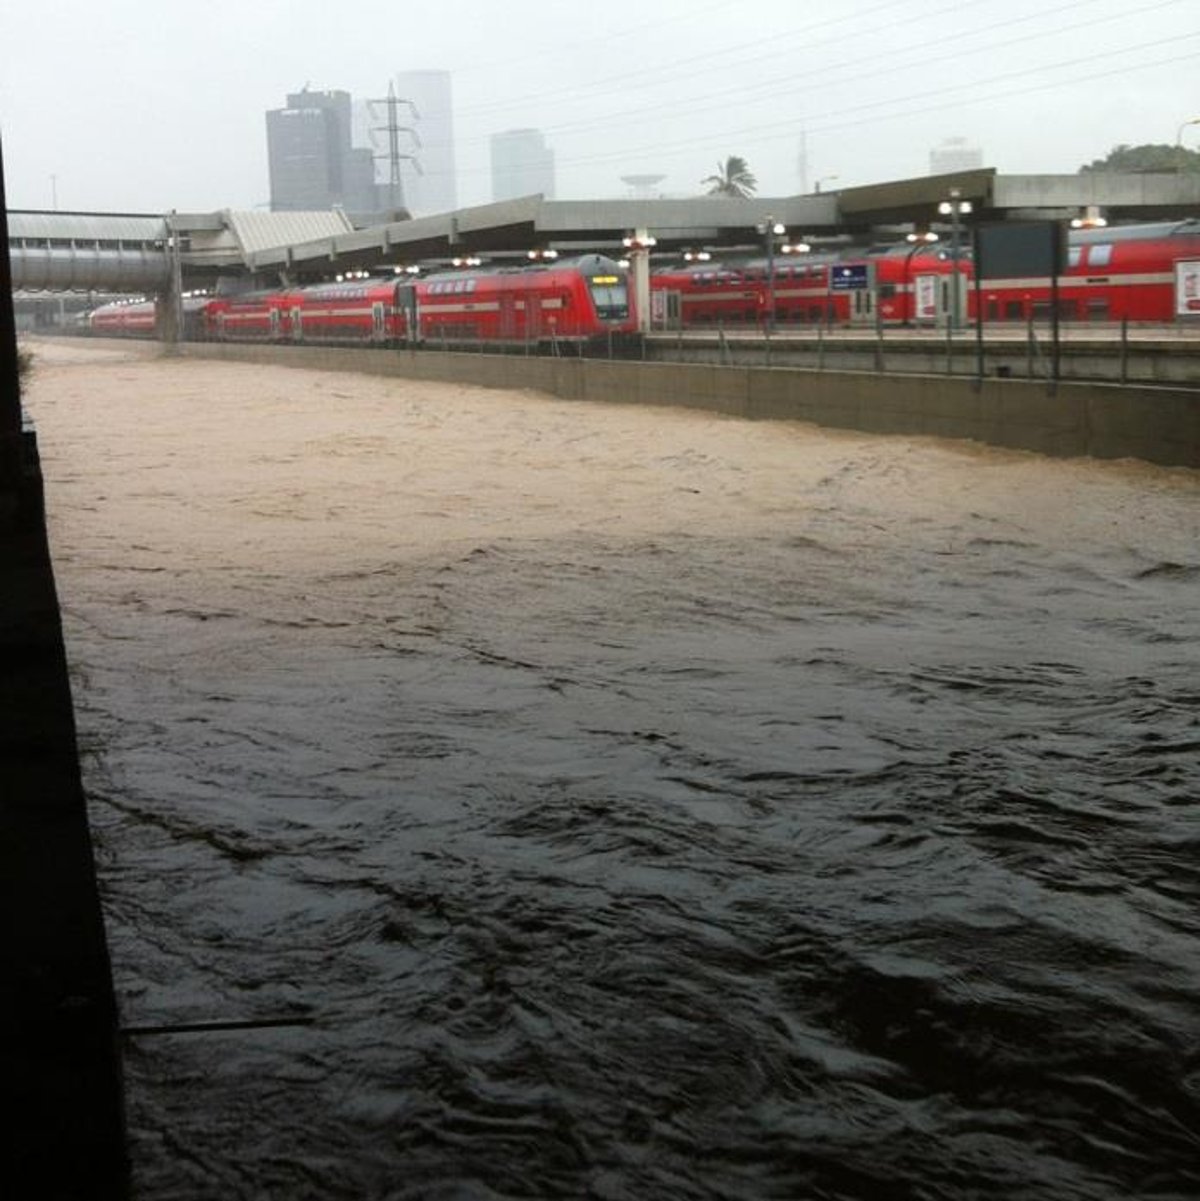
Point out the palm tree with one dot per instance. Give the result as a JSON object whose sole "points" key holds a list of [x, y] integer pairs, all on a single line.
{"points": [[733, 178]]}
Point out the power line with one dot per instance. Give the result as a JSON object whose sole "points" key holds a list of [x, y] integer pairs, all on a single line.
{"points": [[898, 55], [664, 72], [836, 119]]}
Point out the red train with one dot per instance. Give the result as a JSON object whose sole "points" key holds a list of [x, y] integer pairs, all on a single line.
{"points": [[1143, 273], [583, 300], [1140, 273]]}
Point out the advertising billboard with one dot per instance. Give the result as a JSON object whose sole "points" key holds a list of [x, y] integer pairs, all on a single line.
{"points": [[1187, 289]]}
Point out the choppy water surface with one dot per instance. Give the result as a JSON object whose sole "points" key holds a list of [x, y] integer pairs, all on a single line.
{"points": [[629, 804]]}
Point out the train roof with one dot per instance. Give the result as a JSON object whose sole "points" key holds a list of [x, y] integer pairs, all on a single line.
{"points": [[585, 264], [1189, 227], [815, 258]]}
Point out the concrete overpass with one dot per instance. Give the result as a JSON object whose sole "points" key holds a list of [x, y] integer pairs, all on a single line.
{"points": [[135, 252]]}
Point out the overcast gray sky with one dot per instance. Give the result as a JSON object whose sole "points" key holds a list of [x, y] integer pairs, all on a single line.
{"points": [[137, 106]]}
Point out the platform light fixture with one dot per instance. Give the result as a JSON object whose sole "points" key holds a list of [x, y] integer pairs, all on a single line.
{"points": [[469, 260], [639, 241], [1090, 218], [918, 240], [1179, 142], [542, 255], [697, 256], [800, 247], [955, 208], [771, 229]]}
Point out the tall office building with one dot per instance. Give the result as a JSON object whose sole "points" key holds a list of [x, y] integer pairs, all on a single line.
{"points": [[312, 162], [954, 154], [522, 164]]}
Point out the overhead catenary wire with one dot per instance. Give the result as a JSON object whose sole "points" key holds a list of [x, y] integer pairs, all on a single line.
{"points": [[902, 107]]}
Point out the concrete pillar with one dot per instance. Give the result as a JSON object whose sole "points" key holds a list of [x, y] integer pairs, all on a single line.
{"points": [[638, 246]]}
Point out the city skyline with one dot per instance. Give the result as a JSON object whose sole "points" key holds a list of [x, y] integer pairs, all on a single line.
{"points": [[663, 88]]}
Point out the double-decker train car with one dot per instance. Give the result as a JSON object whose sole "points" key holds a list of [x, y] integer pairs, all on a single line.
{"points": [[738, 292], [139, 319], [358, 312], [1140, 273], [580, 300], [853, 287], [121, 319]]}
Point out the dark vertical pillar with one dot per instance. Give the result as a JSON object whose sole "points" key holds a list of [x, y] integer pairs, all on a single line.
{"points": [[10, 393], [64, 1134]]}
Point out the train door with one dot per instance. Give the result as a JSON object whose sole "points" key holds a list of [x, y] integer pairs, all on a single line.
{"points": [[533, 315], [508, 316], [946, 299], [297, 323], [405, 305], [378, 321], [276, 324], [858, 284], [862, 306], [665, 309]]}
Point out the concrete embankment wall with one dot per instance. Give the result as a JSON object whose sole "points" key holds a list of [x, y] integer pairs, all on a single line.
{"points": [[1159, 425]]}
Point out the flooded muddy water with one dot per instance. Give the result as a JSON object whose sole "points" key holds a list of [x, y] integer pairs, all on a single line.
{"points": [[570, 801]]}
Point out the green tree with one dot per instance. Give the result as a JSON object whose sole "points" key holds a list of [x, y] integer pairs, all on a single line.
{"points": [[733, 178], [1157, 158]]}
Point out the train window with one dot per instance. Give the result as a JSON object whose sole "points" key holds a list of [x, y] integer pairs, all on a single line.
{"points": [[886, 291], [1073, 254], [611, 300], [1014, 310], [1100, 255]]}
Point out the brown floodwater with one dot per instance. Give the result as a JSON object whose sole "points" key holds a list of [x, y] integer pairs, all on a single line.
{"points": [[573, 800]]}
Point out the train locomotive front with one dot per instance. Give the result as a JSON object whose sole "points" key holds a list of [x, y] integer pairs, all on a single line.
{"points": [[582, 300]]}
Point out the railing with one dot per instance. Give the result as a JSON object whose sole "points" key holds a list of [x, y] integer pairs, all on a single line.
{"points": [[1119, 352]]}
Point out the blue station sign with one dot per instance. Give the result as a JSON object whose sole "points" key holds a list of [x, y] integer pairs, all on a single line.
{"points": [[852, 276]]}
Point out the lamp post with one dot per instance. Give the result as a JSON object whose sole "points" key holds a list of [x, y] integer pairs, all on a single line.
{"points": [[1179, 142], [955, 208], [920, 240], [821, 181], [771, 229]]}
